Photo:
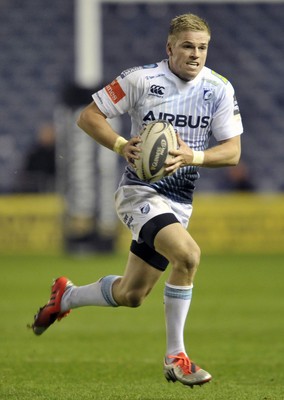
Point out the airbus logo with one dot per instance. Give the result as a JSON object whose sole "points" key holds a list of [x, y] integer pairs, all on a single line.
{"points": [[179, 120], [157, 90]]}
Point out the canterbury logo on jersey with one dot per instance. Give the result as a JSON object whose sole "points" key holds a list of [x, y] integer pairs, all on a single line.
{"points": [[179, 120], [157, 90]]}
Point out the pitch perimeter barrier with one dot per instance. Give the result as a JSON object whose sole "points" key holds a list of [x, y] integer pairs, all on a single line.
{"points": [[235, 223], [229, 223], [239, 223], [31, 224]]}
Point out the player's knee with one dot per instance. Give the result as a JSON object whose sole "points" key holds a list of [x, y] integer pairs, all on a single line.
{"points": [[131, 296], [187, 259], [134, 298]]}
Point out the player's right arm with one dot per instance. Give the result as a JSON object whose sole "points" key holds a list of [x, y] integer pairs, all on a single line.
{"points": [[93, 121]]}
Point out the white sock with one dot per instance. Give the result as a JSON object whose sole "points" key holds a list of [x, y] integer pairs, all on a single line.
{"points": [[95, 294], [177, 302]]}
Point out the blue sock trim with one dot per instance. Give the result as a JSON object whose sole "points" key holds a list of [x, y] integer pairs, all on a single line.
{"points": [[106, 289], [183, 294]]}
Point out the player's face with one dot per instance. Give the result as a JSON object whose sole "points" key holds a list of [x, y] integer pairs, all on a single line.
{"points": [[187, 53]]}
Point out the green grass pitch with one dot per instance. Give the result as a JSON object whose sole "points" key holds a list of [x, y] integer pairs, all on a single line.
{"points": [[235, 330]]}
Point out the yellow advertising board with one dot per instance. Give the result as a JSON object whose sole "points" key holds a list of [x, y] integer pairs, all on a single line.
{"points": [[235, 223], [31, 223], [239, 223], [229, 223]]}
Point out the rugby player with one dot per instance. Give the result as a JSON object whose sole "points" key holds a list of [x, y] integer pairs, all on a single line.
{"points": [[199, 103]]}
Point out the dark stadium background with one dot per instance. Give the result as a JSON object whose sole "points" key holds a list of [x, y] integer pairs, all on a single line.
{"points": [[37, 61]]}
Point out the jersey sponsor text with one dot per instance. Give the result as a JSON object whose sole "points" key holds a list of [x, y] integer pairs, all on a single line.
{"points": [[179, 120], [115, 91]]}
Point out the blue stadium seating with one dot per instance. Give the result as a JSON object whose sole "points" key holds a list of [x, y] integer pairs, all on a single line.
{"points": [[37, 61]]}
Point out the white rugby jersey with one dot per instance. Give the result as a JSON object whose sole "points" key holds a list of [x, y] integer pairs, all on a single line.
{"points": [[197, 109]]}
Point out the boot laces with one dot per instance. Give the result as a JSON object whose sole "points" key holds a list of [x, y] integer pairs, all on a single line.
{"points": [[182, 361]]}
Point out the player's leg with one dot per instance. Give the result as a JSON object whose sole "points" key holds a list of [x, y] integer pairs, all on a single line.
{"points": [[183, 253], [178, 246], [110, 291], [136, 283], [160, 224], [128, 290], [65, 296], [175, 243]]}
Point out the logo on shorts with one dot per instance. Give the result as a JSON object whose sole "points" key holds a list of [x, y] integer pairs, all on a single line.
{"points": [[128, 221], [145, 208]]}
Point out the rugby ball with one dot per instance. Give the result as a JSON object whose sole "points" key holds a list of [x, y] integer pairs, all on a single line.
{"points": [[158, 138]]}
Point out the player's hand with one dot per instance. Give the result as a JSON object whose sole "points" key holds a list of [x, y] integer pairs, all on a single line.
{"points": [[183, 156], [131, 151]]}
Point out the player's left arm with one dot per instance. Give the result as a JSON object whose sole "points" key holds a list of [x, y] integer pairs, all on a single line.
{"points": [[225, 153]]}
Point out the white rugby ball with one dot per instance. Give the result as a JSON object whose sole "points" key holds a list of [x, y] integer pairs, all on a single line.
{"points": [[158, 138]]}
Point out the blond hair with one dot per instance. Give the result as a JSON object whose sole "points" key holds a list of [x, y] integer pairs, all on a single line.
{"points": [[188, 22]]}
